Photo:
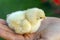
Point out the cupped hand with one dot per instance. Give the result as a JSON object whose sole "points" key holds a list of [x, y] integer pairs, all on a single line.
{"points": [[49, 30]]}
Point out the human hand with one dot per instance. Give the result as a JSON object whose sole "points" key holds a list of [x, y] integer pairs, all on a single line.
{"points": [[47, 31], [51, 29]]}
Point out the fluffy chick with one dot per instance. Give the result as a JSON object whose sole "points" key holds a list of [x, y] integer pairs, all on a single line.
{"points": [[27, 21]]}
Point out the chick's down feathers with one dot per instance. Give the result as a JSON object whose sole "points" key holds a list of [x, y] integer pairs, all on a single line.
{"points": [[27, 21]]}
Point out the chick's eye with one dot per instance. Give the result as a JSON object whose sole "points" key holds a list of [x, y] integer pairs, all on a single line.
{"points": [[40, 17]]}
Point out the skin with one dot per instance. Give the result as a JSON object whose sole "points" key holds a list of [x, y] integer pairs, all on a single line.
{"points": [[50, 29], [41, 34]]}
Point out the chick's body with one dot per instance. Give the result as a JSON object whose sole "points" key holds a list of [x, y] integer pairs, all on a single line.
{"points": [[27, 21], [16, 21]]}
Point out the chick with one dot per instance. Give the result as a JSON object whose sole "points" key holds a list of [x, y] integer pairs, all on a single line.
{"points": [[27, 21]]}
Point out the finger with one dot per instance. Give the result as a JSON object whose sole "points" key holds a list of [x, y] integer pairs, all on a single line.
{"points": [[2, 21], [19, 37], [29, 36], [5, 27], [6, 35], [10, 36]]}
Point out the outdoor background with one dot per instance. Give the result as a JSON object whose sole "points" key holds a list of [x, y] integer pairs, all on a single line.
{"points": [[51, 7]]}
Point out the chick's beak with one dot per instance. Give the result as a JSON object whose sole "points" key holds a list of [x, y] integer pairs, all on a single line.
{"points": [[43, 17]]}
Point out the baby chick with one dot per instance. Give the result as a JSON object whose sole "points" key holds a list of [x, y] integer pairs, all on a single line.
{"points": [[27, 21]]}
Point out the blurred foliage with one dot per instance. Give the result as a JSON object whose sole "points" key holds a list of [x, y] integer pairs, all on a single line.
{"points": [[1, 38], [8, 6]]}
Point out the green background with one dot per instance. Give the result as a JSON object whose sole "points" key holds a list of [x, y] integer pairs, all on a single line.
{"points": [[8, 6]]}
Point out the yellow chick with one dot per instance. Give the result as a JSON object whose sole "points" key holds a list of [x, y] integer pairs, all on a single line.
{"points": [[27, 21]]}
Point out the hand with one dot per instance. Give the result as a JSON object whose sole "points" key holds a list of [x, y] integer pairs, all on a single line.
{"points": [[8, 34], [51, 29], [47, 31]]}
